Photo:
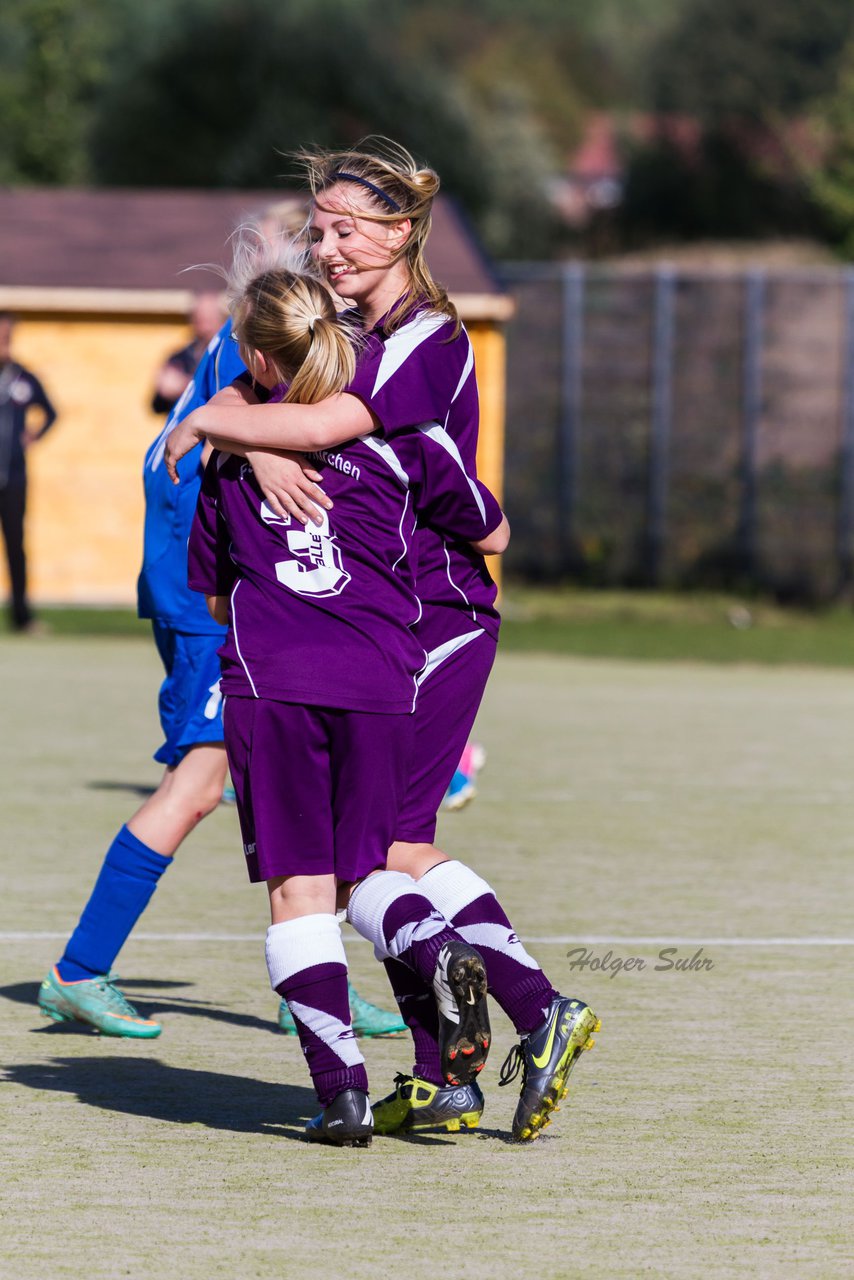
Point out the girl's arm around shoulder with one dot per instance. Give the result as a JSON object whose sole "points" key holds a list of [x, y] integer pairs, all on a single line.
{"points": [[190, 430], [301, 427]]}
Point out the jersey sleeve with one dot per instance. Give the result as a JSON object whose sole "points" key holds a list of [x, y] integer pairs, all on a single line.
{"points": [[412, 376], [210, 568], [446, 496]]}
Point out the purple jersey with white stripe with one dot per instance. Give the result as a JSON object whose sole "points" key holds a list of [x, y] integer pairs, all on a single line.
{"points": [[325, 615], [413, 377]]}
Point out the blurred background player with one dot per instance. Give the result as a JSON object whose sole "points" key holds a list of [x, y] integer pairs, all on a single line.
{"points": [[20, 393], [79, 986], [416, 367], [462, 788], [175, 374]]}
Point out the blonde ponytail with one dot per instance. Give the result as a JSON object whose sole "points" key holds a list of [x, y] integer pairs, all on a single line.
{"points": [[329, 364], [282, 309]]}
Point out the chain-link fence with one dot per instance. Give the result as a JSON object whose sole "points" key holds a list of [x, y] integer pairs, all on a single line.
{"points": [[682, 428]]}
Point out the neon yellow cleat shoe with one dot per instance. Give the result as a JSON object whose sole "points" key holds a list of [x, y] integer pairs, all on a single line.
{"points": [[545, 1058], [97, 1002], [418, 1104]]}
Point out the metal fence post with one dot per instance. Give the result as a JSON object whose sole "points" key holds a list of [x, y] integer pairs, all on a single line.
{"points": [[572, 339], [845, 535], [754, 316], [661, 420]]}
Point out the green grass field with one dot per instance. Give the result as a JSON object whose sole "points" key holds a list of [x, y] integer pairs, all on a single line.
{"points": [[647, 625], [625, 807]]}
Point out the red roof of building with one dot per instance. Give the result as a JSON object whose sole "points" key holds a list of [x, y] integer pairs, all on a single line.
{"points": [[145, 239]]}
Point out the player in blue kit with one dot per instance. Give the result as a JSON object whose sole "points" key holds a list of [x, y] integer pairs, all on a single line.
{"points": [[79, 987], [320, 674], [416, 368]]}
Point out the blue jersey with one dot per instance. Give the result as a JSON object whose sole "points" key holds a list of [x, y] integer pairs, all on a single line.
{"points": [[162, 591]]}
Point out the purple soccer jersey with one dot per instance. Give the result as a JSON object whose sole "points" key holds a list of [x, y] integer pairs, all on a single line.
{"points": [[324, 615], [415, 376]]}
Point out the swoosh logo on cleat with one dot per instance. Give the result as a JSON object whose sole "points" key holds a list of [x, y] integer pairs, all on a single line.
{"points": [[541, 1060], [470, 997]]}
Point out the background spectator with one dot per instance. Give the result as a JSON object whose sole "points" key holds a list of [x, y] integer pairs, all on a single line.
{"points": [[174, 375], [20, 391]]}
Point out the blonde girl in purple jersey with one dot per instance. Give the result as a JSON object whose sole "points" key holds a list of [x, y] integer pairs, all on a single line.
{"points": [[319, 675], [369, 225]]}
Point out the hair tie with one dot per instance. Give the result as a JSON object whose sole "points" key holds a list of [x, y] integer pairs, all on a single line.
{"points": [[340, 176], [312, 321]]}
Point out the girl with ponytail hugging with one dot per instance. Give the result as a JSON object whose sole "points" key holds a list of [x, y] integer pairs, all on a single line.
{"points": [[369, 224], [320, 671]]}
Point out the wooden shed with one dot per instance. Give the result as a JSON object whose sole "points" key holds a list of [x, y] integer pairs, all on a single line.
{"points": [[99, 283]]}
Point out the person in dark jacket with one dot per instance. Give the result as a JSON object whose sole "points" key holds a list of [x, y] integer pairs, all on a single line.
{"points": [[20, 393]]}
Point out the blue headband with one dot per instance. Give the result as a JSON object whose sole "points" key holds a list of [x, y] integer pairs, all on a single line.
{"points": [[354, 177]]}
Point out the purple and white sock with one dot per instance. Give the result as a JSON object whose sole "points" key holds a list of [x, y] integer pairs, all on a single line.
{"points": [[390, 910], [308, 968], [417, 1004], [515, 979]]}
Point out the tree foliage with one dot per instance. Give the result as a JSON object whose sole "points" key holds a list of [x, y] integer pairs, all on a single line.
{"points": [[832, 183], [749, 58], [210, 92], [52, 59], [748, 72], [494, 94], [222, 97]]}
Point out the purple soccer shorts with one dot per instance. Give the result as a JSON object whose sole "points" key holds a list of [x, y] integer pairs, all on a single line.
{"points": [[449, 695], [318, 789]]}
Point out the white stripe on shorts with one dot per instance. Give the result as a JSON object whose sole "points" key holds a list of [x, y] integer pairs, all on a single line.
{"points": [[436, 657]]}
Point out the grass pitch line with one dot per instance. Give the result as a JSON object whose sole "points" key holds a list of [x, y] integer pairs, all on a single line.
{"points": [[561, 940]]}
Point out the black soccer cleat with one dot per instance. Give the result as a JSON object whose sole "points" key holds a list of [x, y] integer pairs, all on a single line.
{"points": [[459, 984], [346, 1122], [545, 1058]]}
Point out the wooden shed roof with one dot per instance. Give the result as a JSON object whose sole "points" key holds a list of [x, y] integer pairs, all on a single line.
{"points": [[143, 240]]}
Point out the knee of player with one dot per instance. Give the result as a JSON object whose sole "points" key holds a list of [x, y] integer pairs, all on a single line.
{"points": [[207, 800], [414, 858], [194, 798]]}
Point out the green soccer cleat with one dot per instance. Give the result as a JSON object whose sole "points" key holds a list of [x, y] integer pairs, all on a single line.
{"points": [[367, 1019], [417, 1104], [545, 1058], [286, 1020], [95, 1001]]}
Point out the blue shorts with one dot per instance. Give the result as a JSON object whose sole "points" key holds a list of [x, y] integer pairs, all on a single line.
{"points": [[189, 702]]}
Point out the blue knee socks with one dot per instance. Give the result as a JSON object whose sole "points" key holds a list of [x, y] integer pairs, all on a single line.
{"points": [[122, 891]]}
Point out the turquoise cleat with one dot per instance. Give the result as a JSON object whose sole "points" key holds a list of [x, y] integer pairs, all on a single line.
{"points": [[97, 1002], [368, 1020]]}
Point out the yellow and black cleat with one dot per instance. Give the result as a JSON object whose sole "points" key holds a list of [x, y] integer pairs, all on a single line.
{"points": [[418, 1104], [545, 1059]]}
